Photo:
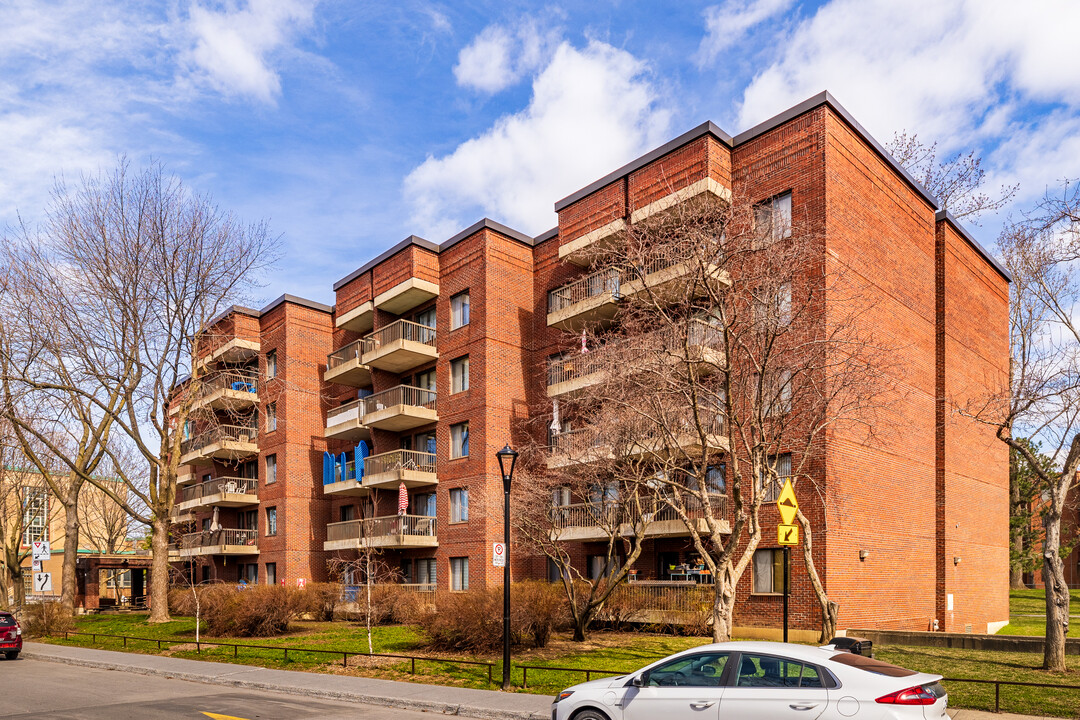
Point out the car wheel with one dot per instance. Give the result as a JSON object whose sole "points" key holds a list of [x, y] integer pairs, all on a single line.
{"points": [[590, 714], [12, 655]]}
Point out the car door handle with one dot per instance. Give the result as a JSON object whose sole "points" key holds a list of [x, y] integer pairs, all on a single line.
{"points": [[702, 704], [803, 707]]}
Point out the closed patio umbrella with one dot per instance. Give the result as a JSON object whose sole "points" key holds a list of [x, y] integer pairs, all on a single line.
{"points": [[402, 499]]}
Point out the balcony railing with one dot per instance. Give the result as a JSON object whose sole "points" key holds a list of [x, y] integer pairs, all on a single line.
{"points": [[571, 367], [217, 538], [356, 593], [238, 380], [219, 434], [352, 351], [218, 486], [590, 286], [381, 527], [612, 513], [400, 460], [400, 330], [400, 395]]}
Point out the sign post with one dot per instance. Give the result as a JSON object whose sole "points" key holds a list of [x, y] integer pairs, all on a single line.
{"points": [[787, 534]]}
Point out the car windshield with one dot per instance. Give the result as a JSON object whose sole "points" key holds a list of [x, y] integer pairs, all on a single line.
{"points": [[870, 665]]}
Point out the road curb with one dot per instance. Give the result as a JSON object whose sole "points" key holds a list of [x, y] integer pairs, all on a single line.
{"points": [[462, 710]]}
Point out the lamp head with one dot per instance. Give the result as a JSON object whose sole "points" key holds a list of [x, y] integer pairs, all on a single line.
{"points": [[507, 459]]}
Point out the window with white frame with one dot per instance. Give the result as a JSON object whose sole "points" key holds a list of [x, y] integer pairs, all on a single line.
{"points": [[459, 374], [271, 364], [459, 574], [768, 571], [459, 310], [459, 505], [459, 440], [35, 515], [772, 218], [425, 318], [772, 482], [271, 417], [271, 521], [271, 469]]}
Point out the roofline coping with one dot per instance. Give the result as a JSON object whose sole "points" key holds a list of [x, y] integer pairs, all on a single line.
{"points": [[946, 216], [705, 128], [238, 309], [303, 302], [386, 255], [546, 235], [709, 128], [489, 224]]}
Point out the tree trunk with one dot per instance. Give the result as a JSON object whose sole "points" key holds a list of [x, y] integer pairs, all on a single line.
{"points": [[723, 615], [1057, 596], [68, 587], [159, 571], [830, 610], [1016, 532], [20, 589]]}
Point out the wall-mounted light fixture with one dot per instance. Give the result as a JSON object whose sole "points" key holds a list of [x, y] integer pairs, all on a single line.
{"points": [[956, 560], [863, 554]]}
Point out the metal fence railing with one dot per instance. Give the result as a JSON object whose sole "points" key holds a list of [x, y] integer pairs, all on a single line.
{"points": [[400, 460], [232, 485], [352, 351], [401, 330], [219, 433], [611, 513], [388, 525], [590, 286], [223, 536], [239, 380], [399, 395], [344, 413]]}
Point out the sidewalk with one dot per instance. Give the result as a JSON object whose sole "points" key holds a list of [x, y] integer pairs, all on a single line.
{"points": [[465, 702]]}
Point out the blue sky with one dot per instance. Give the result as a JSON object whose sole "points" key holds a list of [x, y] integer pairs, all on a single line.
{"points": [[350, 125]]}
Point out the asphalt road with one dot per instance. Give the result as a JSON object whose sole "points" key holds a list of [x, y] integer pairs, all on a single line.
{"points": [[38, 689]]}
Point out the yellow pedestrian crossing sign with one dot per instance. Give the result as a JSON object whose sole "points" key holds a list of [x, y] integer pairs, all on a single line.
{"points": [[787, 534], [787, 504]]}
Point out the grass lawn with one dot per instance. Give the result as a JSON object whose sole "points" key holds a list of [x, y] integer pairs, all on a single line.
{"points": [[1026, 603], [623, 652]]}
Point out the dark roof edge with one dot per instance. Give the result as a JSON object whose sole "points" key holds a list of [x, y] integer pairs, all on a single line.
{"points": [[303, 302], [945, 215], [825, 98], [411, 240], [705, 128], [545, 236], [490, 225], [239, 309]]}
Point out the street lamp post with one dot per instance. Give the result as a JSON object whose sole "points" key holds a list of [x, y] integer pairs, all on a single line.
{"points": [[507, 458]]}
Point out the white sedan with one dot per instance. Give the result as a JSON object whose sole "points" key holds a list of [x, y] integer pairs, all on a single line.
{"points": [[758, 681]]}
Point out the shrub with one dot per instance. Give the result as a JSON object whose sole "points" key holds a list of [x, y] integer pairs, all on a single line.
{"points": [[469, 621], [181, 601], [319, 600], [537, 609], [42, 619], [257, 611]]}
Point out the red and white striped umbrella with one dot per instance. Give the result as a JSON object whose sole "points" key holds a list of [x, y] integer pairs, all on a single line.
{"points": [[402, 499]]}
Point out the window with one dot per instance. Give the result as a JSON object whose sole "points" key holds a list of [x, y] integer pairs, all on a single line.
{"points": [[424, 503], [425, 571], [248, 519], [459, 505], [459, 440], [206, 573], [704, 670], [777, 393], [271, 417], [772, 306], [207, 477], [768, 571], [560, 496], [766, 671], [459, 374], [249, 573], [35, 515], [555, 573], [425, 318], [271, 521], [271, 364], [600, 566], [346, 513], [271, 573], [459, 310], [772, 218], [271, 469], [783, 304], [426, 380], [459, 573], [607, 493], [715, 479], [770, 485], [424, 442]]}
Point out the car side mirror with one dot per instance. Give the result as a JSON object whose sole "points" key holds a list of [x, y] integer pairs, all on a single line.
{"points": [[638, 680]]}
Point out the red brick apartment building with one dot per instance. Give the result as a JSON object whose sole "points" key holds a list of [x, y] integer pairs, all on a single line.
{"points": [[433, 354]]}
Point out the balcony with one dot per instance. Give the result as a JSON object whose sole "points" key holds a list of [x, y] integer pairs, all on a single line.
{"points": [[400, 346], [227, 541], [388, 470], [396, 532], [571, 373], [406, 295], [360, 319], [344, 366], [400, 408], [593, 521], [228, 390], [586, 446], [345, 483], [180, 517], [593, 299], [232, 352], [224, 442], [185, 474], [223, 492], [671, 280], [580, 251], [346, 422]]}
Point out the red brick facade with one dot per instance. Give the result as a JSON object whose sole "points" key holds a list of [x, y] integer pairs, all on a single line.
{"points": [[911, 527]]}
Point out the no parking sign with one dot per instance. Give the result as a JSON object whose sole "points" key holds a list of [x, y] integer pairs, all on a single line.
{"points": [[498, 554]]}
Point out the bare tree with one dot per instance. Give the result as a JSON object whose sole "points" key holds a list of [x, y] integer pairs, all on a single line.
{"points": [[720, 367], [104, 522], [368, 569], [160, 262], [1042, 402], [957, 181], [16, 508]]}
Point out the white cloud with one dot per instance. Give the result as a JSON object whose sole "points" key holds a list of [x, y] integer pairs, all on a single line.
{"points": [[500, 56], [727, 24], [592, 109], [233, 49]]}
